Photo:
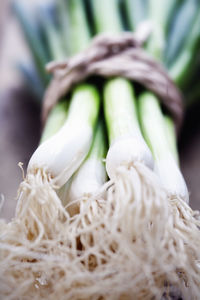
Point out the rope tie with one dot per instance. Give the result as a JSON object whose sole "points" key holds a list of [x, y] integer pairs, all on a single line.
{"points": [[109, 56]]}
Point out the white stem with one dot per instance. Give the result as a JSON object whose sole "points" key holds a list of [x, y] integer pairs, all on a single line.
{"points": [[62, 154], [154, 131], [92, 174], [127, 143], [171, 177], [125, 151], [88, 180]]}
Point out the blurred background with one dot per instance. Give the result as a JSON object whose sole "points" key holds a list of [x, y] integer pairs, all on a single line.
{"points": [[19, 114], [20, 119]]}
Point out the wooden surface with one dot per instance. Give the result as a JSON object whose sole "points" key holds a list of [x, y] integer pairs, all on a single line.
{"points": [[20, 125]]}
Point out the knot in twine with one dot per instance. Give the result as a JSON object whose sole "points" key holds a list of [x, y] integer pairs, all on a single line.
{"points": [[110, 56]]}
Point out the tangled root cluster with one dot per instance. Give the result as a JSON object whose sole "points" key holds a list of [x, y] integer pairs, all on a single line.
{"points": [[129, 241]]}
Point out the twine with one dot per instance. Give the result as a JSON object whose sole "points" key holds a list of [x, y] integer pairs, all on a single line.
{"points": [[110, 56]]}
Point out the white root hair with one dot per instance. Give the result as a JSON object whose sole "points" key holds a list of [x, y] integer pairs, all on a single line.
{"points": [[128, 241]]}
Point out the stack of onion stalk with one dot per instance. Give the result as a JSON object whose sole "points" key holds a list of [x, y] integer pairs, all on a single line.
{"points": [[103, 210]]}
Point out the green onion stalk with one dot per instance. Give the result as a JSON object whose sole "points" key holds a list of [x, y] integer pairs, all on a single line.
{"points": [[127, 154], [165, 154], [84, 100], [91, 175], [136, 198], [87, 183], [151, 116], [72, 138], [165, 162], [83, 109], [102, 221]]}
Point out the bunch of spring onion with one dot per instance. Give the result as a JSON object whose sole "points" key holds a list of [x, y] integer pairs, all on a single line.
{"points": [[73, 236]]}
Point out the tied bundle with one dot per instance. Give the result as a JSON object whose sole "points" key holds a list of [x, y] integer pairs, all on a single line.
{"points": [[76, 233]]}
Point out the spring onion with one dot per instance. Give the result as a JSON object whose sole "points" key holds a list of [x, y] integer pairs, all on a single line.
{"points": [[62, 150], [151, 115], [165, 164], [126, 142], [168, 171], [175, 188], [91, 175]]}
